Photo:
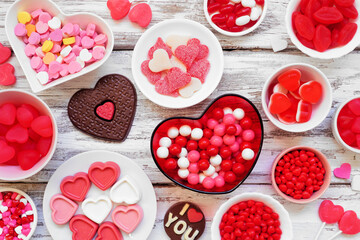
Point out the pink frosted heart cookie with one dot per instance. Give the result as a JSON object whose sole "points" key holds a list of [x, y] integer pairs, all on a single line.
{"points": [[63, 209], [127, 218]]}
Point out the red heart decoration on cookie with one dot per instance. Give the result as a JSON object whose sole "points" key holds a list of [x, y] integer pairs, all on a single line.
{"points": [[330, 213], [82, 228], [104, 175], [187, 54], [279, 103], [109, 231], [199, 69], [349, 223], [311, 91], [194, 216], [106, 111], [141, 14], [290, 79], [6, 152], [7, 76], [5, 53], [118, 8], [75, 187]]}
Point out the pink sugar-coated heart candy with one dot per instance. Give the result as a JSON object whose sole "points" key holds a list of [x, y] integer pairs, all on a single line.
{"points": [[28, 158], [177, 78], [63, 209], [200, 69], [118, 8], [65, 71], [343, 171], [76, 30], [203, 49], [44, 37], [42, 125], [74, 67], [25, 231], [36, 62], [100, 39], [55, 67], [354, 106], [35, 14], [82, 34], [25, 39], [54, 76], [151, 76], [76, 50], [44, 17], [43, 146], [56, 48], [56, 35], [127, 218], [39, 52], [104, 175], [7, 114], [349, 223], [17, 133], [159, 45], [82, 228], [162, 87], [98, 53], [77, 41], [30, 50], [330, 213], [87, 42], [75, 187], [20, 30], [90, 29], [68, 29], [5, 53], [42, 27], [24, 116], [43, 68], [108, 231], [70, 58], [141, 14], [6, 152], [34, 38], [187, 54], [7, 76]]}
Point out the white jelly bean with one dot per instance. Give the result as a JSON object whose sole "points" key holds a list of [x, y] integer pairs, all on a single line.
{"points": [[183, 173], [165, 142], [173, 132], [248, 154], [183, 163], [162, 152], [216, 160], [243, 20], [197, 134], [185, 130], [248, 3], [255, 13]]}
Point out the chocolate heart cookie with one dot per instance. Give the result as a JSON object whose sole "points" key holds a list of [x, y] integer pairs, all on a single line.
{"points": [[107, 111]]}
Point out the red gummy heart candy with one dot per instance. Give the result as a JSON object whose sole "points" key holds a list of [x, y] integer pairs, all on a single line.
{"points": [[43, 146], [358, 140], [330, 213], [7, 76], [29, 145], [159, 45], [118, 8], [106, 111], [177, 79], [289, 116], [354, 106], [187, 54], [279, 103], [304, 111], [290, 79], [356, 125], [33, 135], [5, 53], [24, 117], [6, 152], [151, 76], [141, 14], [43, 126], [348, 136], [349, 223], [311, 91], [345, 122], [3, 129], [33, 110], [17, 133], [7, 114], [200, 69], [203, 49], [28, 158], [162, 87]]}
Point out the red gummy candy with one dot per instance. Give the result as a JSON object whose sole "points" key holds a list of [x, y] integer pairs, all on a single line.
{"points": [[6, 152], [33, 110], [162, 87], [304, 111], [24, 117], [3, 129], [5, 53], [289, 116], [43, 126], [177, 79], [7, 76], [345, 122], [328, 15], [141, 14], [335, 34], [358, 140], [344, 3], [203, 49], [348, 136], [29, 145], [151, 76], [213, 7], [118, 8], [356, 125], [17, 134], [7, 114], [33, 135], [349, 12], [347, 33], [303, 5], [187, 54], [290, 79], [305, 42], [28, 158], [43, 146], [159, 45], [322, 38], [312, 7], [327, 3], [200, 69], [279, 103], [354, 106]]}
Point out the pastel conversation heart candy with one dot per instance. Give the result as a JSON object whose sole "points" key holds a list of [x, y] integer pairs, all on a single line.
{"points": [[118, 8], [7, 76], [343, 171], [330, 213], [109, 231], [5, 53], [75, 187], [290, 79], [160, 61], [63, 209], [28, 158], [7, 114], [82, 228], [104, 175], [127, 218], [141, 14], [6, 152], [349, 223], [311, 91], [279, 103]]}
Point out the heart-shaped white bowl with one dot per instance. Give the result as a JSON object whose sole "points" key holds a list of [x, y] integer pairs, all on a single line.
{"points": [[83, 19]]}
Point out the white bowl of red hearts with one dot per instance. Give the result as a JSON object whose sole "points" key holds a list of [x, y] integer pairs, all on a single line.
{"points": [[18, 214], [214, 153], [235, 17], [297, 97], [28, 134], [252, 216]]}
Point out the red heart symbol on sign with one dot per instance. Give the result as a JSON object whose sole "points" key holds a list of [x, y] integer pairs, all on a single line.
{"points": [[194, 216]]}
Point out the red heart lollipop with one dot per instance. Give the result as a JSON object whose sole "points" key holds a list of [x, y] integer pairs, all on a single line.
{"points": [[349, 223], [330, 213]]}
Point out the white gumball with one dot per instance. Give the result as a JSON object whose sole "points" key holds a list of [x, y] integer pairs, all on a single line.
{"points": [[183, 152], [165, 142], [239, 113], [183, 173], [173, 132], [218, 168], [197, 134], [228, 110], [214, 175], [201, 178], [162, 152], [185, 130], [248, 154], [216, 160], [210, 171], [183, 163]]}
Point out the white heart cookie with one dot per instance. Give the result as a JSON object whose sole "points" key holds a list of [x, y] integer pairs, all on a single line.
{"points": [[124, 191], [160, 61], [177, 63], [54, 23], [189, 90], [355, 184], [97, 209], [278, 44], [176, 40]]}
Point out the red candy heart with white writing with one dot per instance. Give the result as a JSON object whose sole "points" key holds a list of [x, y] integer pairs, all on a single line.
{"points": [[5, 53], [106, 111], [141, 14], [311, 91], [349, 223], [7, 76], [330, 213]]}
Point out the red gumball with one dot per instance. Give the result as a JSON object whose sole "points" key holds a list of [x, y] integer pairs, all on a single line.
{"points": [[170, 164], [239, 159], [238, 169], [231, 129], [175, 149], [217, 113], [208, 133], [204, 155], [226, 165], [212, 150], [244, 145], [204, 143], [203, 164], [181, 141], [246, 123], [191, 145], [229, 177], [225, 152]]}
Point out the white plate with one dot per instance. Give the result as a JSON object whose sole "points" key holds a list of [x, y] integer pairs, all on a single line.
{"points": [[178, 27], [82, 162], [286, 225]]}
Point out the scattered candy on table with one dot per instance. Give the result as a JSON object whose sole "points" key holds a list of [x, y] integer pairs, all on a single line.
{"points": [[55, 49], [343, 171]]}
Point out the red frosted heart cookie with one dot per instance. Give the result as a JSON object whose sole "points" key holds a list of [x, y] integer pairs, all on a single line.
{"points": [[279, 103], [290, 79], [141, 14], [311, 91], [7, 76], [75, 187], [187, 54], [106, 111], [159, 45], [199, 69], [304, 111], [82, 228], [5, 53], [118, 8]]}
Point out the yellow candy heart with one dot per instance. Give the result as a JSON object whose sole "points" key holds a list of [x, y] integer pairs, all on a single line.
{"points": [[24, 17], [47, 46], [30, 28], [68, 41]]}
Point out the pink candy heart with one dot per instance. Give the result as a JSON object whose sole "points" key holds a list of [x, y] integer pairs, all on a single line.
{"points": [[141, 14], [343, 171], [200, 69], [127, 218], [63, 209]]}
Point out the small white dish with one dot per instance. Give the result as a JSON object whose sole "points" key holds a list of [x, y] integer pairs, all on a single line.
{"points": [[328, 54], [81, 163], [235, 34], [33, 225], [80, 18], [319, 111], [178, 27], [285, 221], [335, 130]]}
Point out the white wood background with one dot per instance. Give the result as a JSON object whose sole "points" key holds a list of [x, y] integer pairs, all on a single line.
{"points": [[249, 60]]}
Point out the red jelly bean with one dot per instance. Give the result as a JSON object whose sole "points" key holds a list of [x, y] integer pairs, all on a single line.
{"points": [[328, 15], [226, 9], [243, 11], [218, 18], [231, 20], [322, 38], [214, 7], [347, 33], [304, 26]]}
